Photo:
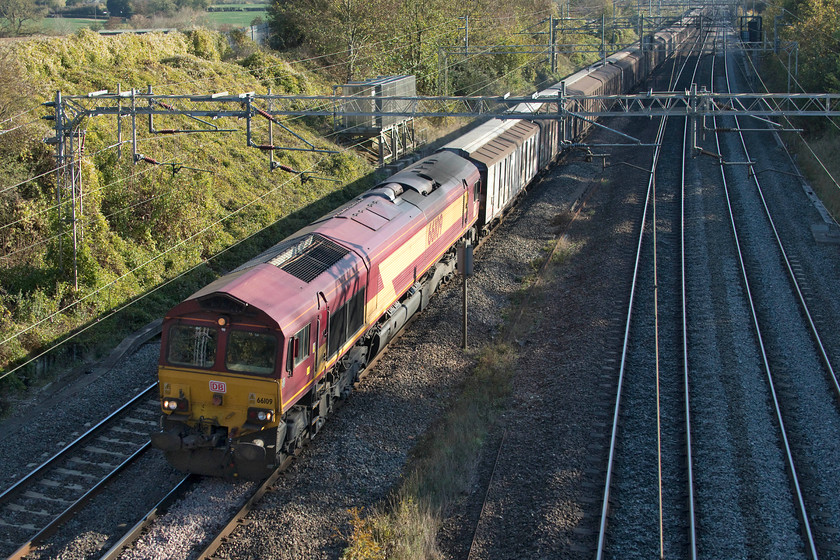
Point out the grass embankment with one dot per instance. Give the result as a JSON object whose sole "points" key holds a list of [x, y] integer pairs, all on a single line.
{"points": [[443, 463], [816, 152], [815, 149], [140, 226]]}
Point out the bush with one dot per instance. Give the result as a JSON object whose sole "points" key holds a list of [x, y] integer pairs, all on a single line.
{"points": [[141, 224]]}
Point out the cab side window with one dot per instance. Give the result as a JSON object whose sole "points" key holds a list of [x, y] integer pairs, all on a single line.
{"points": [[298, 348]]}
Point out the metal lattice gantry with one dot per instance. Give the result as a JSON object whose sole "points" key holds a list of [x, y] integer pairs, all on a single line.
{"points": [[547, 105], [200, 114]]}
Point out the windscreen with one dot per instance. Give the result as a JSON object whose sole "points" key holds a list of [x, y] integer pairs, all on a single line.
{"points": [[251, 352], [193, 346]]}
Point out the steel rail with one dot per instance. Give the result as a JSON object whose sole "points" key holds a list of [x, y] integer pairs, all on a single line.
{"points": [[600, 550], [801, 510], [486, 495], [832, 374], [14, 490], [53, 525], [622, 368], [236, 519], [161, 507], [55, 522], [692, 514]]}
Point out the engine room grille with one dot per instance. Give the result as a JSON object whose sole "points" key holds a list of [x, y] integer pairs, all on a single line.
{"points": [[309, 257]]}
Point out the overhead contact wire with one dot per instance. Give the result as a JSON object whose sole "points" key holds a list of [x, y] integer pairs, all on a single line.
{"points": [[139, 267]]}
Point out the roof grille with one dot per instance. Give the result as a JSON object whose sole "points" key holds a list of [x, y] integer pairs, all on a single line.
{"points": [[309, 257]]}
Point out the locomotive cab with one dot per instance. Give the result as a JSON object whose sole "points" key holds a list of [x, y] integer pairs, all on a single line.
{"points": [[239, 392], [220, 394], [223, 370], [252, 365]]}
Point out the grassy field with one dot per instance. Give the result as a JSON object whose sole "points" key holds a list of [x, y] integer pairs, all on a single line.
{"points": [[234, 19], [69, 25], [213, 20], [237, 5]]}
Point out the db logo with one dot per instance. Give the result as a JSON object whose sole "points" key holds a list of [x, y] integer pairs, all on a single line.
{"points": [[218, 387]]}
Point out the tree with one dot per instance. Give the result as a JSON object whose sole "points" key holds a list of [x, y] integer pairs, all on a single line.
{"points": [[119, 8], [819, 21], [340, 28], [15, 15]]}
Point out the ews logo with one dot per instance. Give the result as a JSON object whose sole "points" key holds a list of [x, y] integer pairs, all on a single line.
{"points": [[434, 230]]}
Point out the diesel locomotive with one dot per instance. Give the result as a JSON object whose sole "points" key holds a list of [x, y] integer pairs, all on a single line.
{"points": [[252, 364]]}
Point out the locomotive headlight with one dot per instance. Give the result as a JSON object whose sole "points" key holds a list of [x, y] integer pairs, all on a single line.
{"points": [[260, 415], [175, 404]]}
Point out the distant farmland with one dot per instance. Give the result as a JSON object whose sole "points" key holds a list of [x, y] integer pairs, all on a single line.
{"points": [[218, 16]]}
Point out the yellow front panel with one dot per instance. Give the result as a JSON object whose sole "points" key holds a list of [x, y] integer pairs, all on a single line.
{"points": [[238, 393]]}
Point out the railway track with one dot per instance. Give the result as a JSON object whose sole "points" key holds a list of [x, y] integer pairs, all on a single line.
{"points": [[758, 386], [653, 450], [796, 362], [40, 502]]}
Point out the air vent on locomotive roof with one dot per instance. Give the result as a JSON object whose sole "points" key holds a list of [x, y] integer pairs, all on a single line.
{"points": [[309, 257]]}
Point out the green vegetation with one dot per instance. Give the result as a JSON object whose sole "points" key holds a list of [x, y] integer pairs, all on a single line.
{"points": [[220, 20], [140, 225], [364, 38], [814, 25], [19, 17]]}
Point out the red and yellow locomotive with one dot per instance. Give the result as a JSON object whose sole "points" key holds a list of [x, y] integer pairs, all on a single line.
{"points": [[253, 363]]}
